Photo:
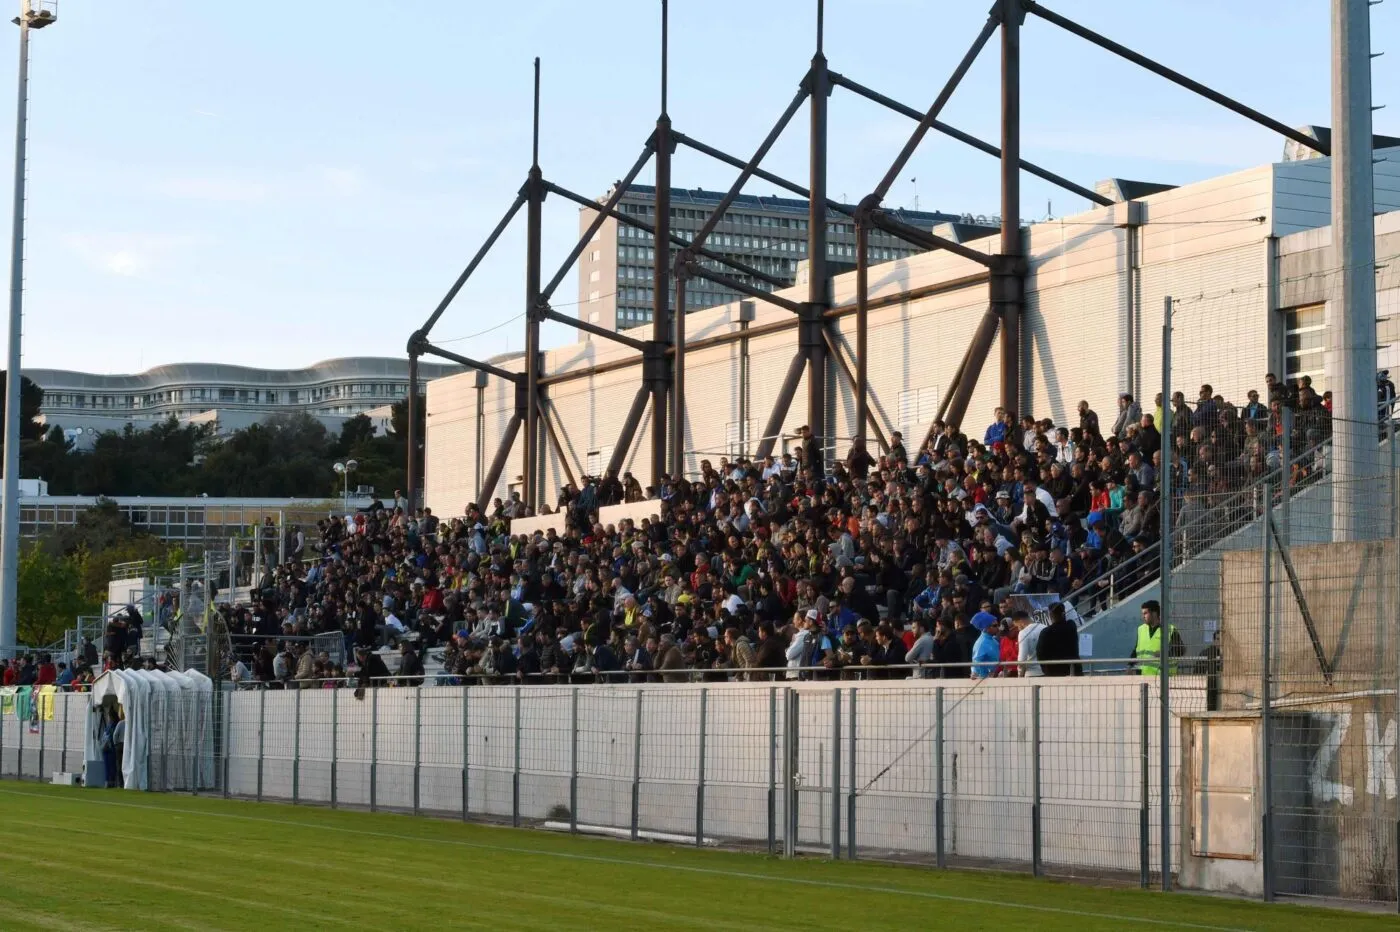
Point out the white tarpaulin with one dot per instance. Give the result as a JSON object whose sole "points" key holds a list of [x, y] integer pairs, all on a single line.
{"points": [[169, 727]]}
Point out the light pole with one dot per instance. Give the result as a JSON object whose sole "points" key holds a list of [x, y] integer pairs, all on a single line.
{"points": [[32, 15], [344, 470]]}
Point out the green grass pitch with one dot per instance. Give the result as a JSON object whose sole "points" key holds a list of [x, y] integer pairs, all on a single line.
{"points": [[77, 859]]}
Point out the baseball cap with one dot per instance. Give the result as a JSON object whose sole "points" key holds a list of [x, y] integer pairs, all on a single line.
{"points": [[983, 620]]}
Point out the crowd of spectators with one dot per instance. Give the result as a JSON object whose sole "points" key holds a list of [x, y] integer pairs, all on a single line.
{"points": [[894, 565]]}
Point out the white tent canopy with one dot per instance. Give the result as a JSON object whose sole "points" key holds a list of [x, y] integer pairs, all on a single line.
{"points": [[169, 727]]}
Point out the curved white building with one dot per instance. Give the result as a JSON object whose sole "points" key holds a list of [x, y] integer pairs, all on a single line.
{"points": [[333, 388]]}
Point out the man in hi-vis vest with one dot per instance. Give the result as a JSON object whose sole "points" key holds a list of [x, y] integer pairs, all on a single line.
{"points": [[1148, 651]]}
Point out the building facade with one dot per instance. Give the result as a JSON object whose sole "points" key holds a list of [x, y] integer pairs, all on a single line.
{"points": [[333, 388], [766, 233], [1245, 258]]}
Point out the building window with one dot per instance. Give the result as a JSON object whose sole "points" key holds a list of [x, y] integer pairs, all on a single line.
{"points": [[1305, 341]]}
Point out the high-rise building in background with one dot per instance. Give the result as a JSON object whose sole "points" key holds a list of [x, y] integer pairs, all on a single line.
{"points": [[767, 233]]}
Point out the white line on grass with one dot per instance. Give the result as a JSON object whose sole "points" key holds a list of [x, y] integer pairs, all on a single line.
{"points": [[687, 868]]}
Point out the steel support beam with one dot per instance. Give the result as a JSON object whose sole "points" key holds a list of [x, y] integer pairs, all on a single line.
{"points": [[781, 405], [600, 215], [980, 145], [554, 439], [498, 463], [977, 352], [631, 221], [883, 188], [629, 429], [762, 173], [860, 383], [1175, 77], [678, 379], [759, 154], [411, 409], [549, 313], [812, 325], [428, 349], [845, 369], [926, 239], [1008, 281], [662, 439], [475, 261], [696, 270], [534, 201], [782, 325]]}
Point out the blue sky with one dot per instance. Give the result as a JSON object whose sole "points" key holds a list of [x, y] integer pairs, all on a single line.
{"points": [[276, 184]]}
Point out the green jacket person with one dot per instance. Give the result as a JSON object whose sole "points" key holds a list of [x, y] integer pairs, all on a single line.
{"points": [[1148, 651]]}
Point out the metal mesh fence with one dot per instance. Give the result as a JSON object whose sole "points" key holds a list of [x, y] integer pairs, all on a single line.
{"points": [[1285, 595]]}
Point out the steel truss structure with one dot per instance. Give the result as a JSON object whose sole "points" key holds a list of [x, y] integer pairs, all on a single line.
{"points": [[662, 388]]}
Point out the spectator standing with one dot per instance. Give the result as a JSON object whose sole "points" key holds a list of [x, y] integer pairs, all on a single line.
{"points": [[1059, 642], [986, 650], [1028, 633]]}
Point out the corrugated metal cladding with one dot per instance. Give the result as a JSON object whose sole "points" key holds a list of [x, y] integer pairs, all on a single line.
{"points": [[1088, 335]]}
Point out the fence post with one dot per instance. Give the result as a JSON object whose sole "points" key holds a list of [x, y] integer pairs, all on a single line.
{"points": [[515, 773], [836, 774], [1265, 699], [1145, 792], [1165, 588], [63, 752], [417, 746], [1035, 782], [43, 731], [23, 722], [700, 777], [262, 721], [851, 790], [573, 760], [938, 822], [466, 745], [228, 739], [2, 745], [789, 772], [637, 767], [373, 747], [772, 768], [164, 741], [335, 741], [296, 750]]}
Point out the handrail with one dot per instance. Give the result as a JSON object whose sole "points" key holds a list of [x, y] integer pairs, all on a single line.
{"points": [[1150, 555]]}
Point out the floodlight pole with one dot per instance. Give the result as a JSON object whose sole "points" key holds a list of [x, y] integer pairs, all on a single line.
{"points": [[9, 497], [1008, 275], [535, 191], [655, 361]]}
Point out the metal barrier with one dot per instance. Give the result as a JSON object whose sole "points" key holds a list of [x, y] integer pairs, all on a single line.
{"points": [[1051, 775]]}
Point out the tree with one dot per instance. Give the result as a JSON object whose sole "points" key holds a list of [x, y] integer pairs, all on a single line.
{"points": [[51, 595], [356, 432]]}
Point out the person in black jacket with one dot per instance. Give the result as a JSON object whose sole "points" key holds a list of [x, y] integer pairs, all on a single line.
{"points": [[372, 672], [1059, 642], [966, 636], [948, 652]]}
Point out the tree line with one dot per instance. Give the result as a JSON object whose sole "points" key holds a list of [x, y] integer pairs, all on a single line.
{"points": [[64, 574], [286, 456]]}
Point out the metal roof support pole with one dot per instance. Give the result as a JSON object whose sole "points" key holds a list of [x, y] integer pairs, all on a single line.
{"points": [[1008, 276], [976, 355], [629, 427], [862, 387], [411, 410], [782, 404], [1175, 77], [813, 324], [498, 463], [678, 380], [663, 441], [534, 192]]}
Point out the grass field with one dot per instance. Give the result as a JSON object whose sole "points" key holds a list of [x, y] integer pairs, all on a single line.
{"points": [[77, 859]]}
